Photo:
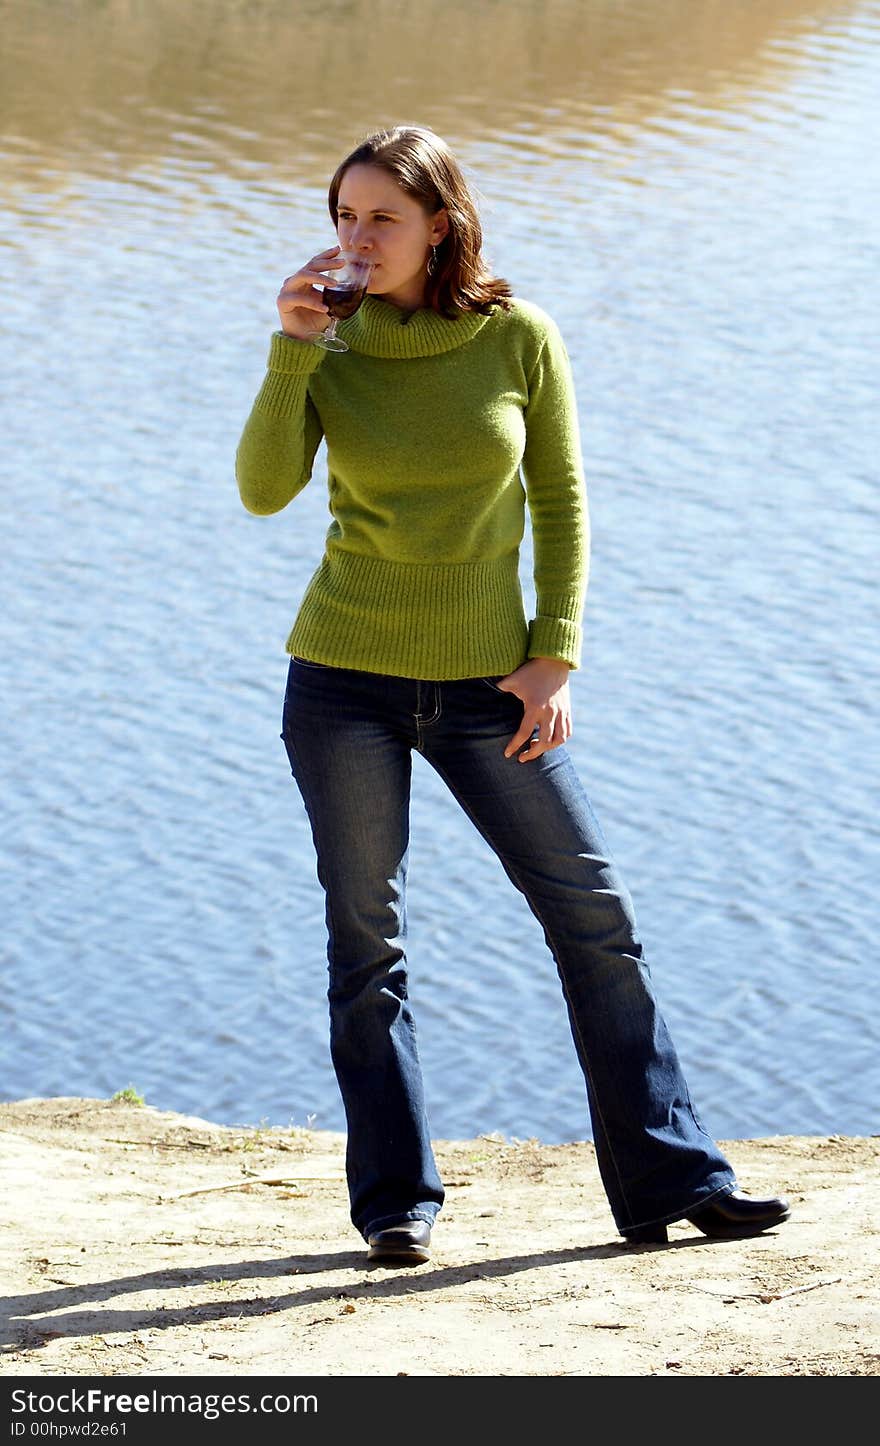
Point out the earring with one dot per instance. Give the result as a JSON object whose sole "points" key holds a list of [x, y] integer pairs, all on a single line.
{"points": [[432, 261]]}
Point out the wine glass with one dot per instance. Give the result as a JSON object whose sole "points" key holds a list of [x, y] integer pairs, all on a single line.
{"points": [[343, 293]]}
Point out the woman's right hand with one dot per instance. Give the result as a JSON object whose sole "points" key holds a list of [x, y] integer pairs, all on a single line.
{"points": [[299, 302]]}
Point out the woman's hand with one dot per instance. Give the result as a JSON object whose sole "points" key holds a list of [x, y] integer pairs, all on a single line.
{"points": [[542, 686], [299, 301]]}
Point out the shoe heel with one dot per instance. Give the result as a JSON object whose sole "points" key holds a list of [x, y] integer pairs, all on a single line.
{"points": [[647, 1235]]}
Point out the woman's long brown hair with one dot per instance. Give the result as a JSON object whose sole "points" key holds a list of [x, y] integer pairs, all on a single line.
{"points": [[425, 168]]}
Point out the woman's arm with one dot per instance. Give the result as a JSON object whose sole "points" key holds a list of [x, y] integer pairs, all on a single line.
{"points": [[557, 499], [281, 436]]}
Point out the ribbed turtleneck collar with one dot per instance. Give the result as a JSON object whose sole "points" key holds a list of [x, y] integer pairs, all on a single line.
{"points": [[380, 329]]}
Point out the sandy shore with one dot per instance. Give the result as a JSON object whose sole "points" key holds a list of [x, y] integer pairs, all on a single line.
{"points": [[136, 1242]]}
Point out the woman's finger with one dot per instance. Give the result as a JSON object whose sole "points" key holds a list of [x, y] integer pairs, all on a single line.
{"points": [[294, 288], [561, 729], [309, 276], [301, 291], [520, 738], [552, 733], [318, 265], [332, 251], [533, 737], [540, 743], [296, 301]]}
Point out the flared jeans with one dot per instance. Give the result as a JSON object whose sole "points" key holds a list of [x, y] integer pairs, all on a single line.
{"points": [[349, 737]]}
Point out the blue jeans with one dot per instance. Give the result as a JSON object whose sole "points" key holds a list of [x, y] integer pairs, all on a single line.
{"points": [[349, 737]]}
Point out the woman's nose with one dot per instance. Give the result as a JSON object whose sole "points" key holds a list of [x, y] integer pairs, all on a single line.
{"points": [[360, 239]]}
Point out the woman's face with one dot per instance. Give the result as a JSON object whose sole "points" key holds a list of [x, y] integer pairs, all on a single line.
{"points": [[377, 219]]}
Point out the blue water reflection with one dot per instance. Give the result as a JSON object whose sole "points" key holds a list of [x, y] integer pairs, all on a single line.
{"points": [[698, 209]]}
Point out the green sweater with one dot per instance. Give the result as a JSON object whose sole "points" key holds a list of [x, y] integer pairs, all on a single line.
{"points": [[432, 427]]}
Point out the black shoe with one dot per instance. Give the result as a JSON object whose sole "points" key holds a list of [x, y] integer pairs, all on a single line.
{"points": [[731, 1216], [406, 1244], [734, 1216]]}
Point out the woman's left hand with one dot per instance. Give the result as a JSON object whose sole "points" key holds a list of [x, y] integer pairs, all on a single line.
{"points": [[542, 686]]}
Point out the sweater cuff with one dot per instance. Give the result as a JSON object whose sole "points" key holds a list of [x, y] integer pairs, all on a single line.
{"points": [[294, 358], [556, 638], [290, 364]]}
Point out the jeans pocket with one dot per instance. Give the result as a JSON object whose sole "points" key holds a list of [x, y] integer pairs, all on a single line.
{"points": [[493, 684]]}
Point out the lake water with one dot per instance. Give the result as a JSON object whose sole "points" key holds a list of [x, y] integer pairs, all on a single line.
{"points": [[692, 188]]}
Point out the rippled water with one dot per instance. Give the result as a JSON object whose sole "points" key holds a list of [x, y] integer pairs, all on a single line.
{"points": [[691, 189]]}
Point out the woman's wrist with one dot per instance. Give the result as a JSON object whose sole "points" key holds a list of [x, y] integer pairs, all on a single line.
{"points": [[561, 663]]}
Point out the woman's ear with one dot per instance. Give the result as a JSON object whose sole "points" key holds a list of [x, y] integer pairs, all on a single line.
{"points": [[440, 226]]}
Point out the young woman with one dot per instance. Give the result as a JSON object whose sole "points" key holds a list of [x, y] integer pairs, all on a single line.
{"points": [[452, 409]]}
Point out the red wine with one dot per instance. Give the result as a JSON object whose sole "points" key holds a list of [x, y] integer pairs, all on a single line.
{"points": [[343, 301]]}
